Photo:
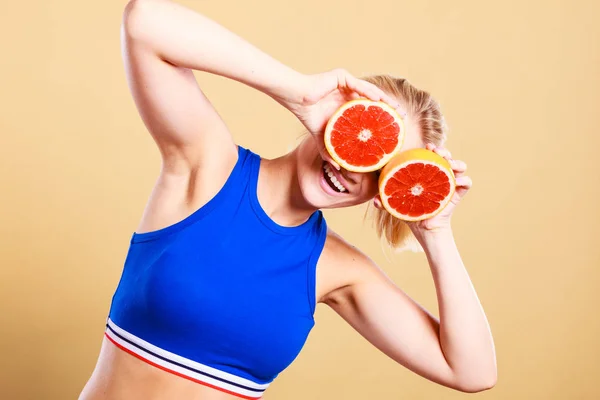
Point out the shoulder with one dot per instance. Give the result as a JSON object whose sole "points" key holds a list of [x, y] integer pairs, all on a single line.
{"points": [[341, 266], [181, 190]]}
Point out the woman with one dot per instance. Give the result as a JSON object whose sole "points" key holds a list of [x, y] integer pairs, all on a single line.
{"points": [[232, 254]]}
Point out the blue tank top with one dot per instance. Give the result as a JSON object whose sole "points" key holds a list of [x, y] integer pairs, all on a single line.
{"points": [[224, 297]]}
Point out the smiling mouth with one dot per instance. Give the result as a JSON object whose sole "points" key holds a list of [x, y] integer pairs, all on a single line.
{"points": [[332, 180]]}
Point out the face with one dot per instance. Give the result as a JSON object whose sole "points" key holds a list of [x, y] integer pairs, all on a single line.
{"points": [[359, 187]]}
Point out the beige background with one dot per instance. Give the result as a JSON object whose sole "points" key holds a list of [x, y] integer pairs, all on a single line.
{"points": [[519, 83]]}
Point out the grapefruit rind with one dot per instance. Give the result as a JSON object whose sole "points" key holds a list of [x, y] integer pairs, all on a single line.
{"points": [[415, 156], [367, 103]]}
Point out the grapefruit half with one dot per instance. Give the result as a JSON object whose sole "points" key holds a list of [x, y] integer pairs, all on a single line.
{"points": [[363, 135], [416, 184]]}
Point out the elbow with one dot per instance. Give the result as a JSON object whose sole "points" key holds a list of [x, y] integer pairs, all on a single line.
{"points": [[134, 16], [477, 383]]}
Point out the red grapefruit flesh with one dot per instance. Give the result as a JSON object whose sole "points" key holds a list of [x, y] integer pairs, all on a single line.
{"points": [[363, 135], [416, 184]]}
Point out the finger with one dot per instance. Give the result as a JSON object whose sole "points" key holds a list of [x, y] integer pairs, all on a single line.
{"points": [[354, 95], [371, 91], [430, 146], [458, 166], [444, 152], [364, 89], [463, 185], [390, 100]]}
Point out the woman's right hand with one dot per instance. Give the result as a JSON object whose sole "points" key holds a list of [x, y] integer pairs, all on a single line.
{"points": [[322, 94]]}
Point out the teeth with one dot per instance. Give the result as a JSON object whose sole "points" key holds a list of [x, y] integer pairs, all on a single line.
{"points": [[334, 179]]}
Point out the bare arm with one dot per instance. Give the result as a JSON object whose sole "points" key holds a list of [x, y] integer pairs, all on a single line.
{"points": [[162, 43], [456, 351], [188, 39]]}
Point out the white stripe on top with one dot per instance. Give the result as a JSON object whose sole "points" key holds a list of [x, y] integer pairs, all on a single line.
{"points": [[229, 381]]}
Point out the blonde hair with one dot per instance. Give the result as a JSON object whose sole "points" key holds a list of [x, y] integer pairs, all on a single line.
{"points": [[425, 111]]}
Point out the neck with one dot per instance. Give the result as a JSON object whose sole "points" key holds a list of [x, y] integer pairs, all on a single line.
{"points": [[279, 191]]}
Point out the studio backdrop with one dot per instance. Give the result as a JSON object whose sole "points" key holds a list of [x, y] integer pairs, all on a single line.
{"points": [[519, 84]]}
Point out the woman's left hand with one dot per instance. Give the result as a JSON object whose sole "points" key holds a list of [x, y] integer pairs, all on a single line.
{"points": [[463, 184]]}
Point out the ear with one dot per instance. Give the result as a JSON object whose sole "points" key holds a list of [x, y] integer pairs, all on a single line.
{"points": [[377, 202]]}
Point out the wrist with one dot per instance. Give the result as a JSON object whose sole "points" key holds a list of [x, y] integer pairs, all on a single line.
{"points": [[438, 245], [289, 88], [425, 236]]}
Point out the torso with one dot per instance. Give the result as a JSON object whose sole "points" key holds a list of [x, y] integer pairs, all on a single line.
{"points": [[119, 375]]}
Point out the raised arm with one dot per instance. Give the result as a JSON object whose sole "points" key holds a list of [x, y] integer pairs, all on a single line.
{"points": [[456, 350], [164, 41]]}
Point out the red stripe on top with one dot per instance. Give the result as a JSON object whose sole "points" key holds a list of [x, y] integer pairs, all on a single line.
{"points": [[177, 373]]}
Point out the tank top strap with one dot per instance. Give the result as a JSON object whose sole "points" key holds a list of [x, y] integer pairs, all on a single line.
{"points": [[319, 234]]}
